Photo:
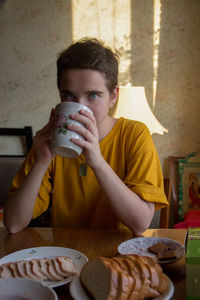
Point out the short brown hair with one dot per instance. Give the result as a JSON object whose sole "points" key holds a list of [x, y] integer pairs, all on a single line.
{"points": [[89, 54]]}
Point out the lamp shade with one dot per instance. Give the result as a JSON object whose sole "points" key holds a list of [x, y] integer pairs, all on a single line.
{"points": [[132, 104]]}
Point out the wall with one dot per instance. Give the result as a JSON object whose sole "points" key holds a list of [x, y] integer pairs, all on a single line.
{"points": [[32, 33]]}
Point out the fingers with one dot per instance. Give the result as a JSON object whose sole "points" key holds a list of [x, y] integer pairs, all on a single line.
{"points": [[84, 132], [48, 126], [89, 132], [81, 143], [88, 120], [51, 120], [52, 114]]}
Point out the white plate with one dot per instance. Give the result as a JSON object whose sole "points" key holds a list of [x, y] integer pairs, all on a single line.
{"points": [[76, 290], [78, 258], [139, 246], [25, 289], [78, 293]]}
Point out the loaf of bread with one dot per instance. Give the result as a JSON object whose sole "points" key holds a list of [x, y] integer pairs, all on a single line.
{"points": [[123, 277], [54, 269]]}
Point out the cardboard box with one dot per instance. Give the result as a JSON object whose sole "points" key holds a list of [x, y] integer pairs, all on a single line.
{"points": [[192, 259]]}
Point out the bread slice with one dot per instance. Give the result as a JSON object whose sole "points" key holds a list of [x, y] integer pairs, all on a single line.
{"points": [[125, 277], [67, 266], [54, 269], [35, 267], [44, 268], [162, 283], [14, 269], [21, 265], [6, 272], [155, 271], [138, 264], [58, 269], [99, 279], [134, 274], [152, 288], [29, 272]]}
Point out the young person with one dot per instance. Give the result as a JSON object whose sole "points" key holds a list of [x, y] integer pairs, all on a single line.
{"points": [[123, 184]]}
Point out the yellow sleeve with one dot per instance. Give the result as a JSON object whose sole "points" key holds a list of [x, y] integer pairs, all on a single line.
{"points": [[144, 174], [44, 194]]}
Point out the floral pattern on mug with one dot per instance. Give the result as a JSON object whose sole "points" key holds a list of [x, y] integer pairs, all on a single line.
{"points": [[61, 124], [59, 121]]}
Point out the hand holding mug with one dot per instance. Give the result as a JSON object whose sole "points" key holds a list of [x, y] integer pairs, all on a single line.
{"points": [[42, 142], [61, 135]]}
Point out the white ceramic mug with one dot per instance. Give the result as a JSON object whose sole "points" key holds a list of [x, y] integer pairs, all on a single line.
{"points": [[61, 136]]}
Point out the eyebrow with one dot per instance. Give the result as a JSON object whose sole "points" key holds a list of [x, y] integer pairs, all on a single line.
{"points": [[87, 92], [66, 91], [95, 92]]}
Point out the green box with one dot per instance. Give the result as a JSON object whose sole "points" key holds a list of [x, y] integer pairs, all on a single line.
{"points": [[192, 259]]}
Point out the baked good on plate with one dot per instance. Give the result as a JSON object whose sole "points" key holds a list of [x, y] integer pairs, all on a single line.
{"points": [[163, 251], [124, 277], [54, 269]]}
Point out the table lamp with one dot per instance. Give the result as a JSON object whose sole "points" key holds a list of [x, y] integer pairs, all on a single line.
{"points": [[132, 104]]}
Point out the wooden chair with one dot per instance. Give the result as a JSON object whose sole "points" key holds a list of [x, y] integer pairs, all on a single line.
{"points": [[9, 165], [25, 133], [165, 212], [8, 168], [161, 217], [174, 176]]}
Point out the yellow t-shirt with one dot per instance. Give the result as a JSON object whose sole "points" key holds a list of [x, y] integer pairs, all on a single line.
{"points": [[77, 200]]}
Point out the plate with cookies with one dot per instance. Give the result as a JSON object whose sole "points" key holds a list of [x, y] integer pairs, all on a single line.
{"points": [[163, 250]]}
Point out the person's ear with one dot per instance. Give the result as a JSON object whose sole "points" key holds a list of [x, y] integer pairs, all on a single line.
{"points": [[114, 96]]}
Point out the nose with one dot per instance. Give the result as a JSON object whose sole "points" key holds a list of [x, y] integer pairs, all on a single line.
{"points": [[81, 100]]}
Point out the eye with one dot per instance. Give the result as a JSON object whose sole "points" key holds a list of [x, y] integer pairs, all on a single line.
{"points": [[67, 96], [93, 95]]}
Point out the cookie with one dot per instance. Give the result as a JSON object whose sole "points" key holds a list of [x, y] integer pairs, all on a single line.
{"points": [[166, 254], [157, 247]]}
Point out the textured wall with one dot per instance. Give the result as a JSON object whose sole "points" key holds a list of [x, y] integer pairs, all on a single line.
{"points": [[33, 32]]}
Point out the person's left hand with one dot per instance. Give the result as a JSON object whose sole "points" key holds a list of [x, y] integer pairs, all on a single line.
{"points": [[90, 145]]}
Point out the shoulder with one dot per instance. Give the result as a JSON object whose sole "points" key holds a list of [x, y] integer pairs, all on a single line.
{"points": [[133, 128], [136, 137], [133, 124]]}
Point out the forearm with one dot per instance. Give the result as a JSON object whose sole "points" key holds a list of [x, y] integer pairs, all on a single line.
{"points": [[132, 211], [19, 207]]}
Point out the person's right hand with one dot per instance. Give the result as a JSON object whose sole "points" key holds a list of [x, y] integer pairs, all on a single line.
{"points": [[42, 142]]}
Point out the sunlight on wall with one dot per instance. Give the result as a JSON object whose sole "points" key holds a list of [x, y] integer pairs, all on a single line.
{"points": [[109, 23], [112, 24], [156, 43]]}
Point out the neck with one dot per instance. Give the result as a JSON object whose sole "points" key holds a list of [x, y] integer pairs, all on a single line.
{"points": [[105, 127]]}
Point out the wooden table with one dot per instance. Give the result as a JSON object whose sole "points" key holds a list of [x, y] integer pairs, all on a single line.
{"points": [[93, 243]]}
